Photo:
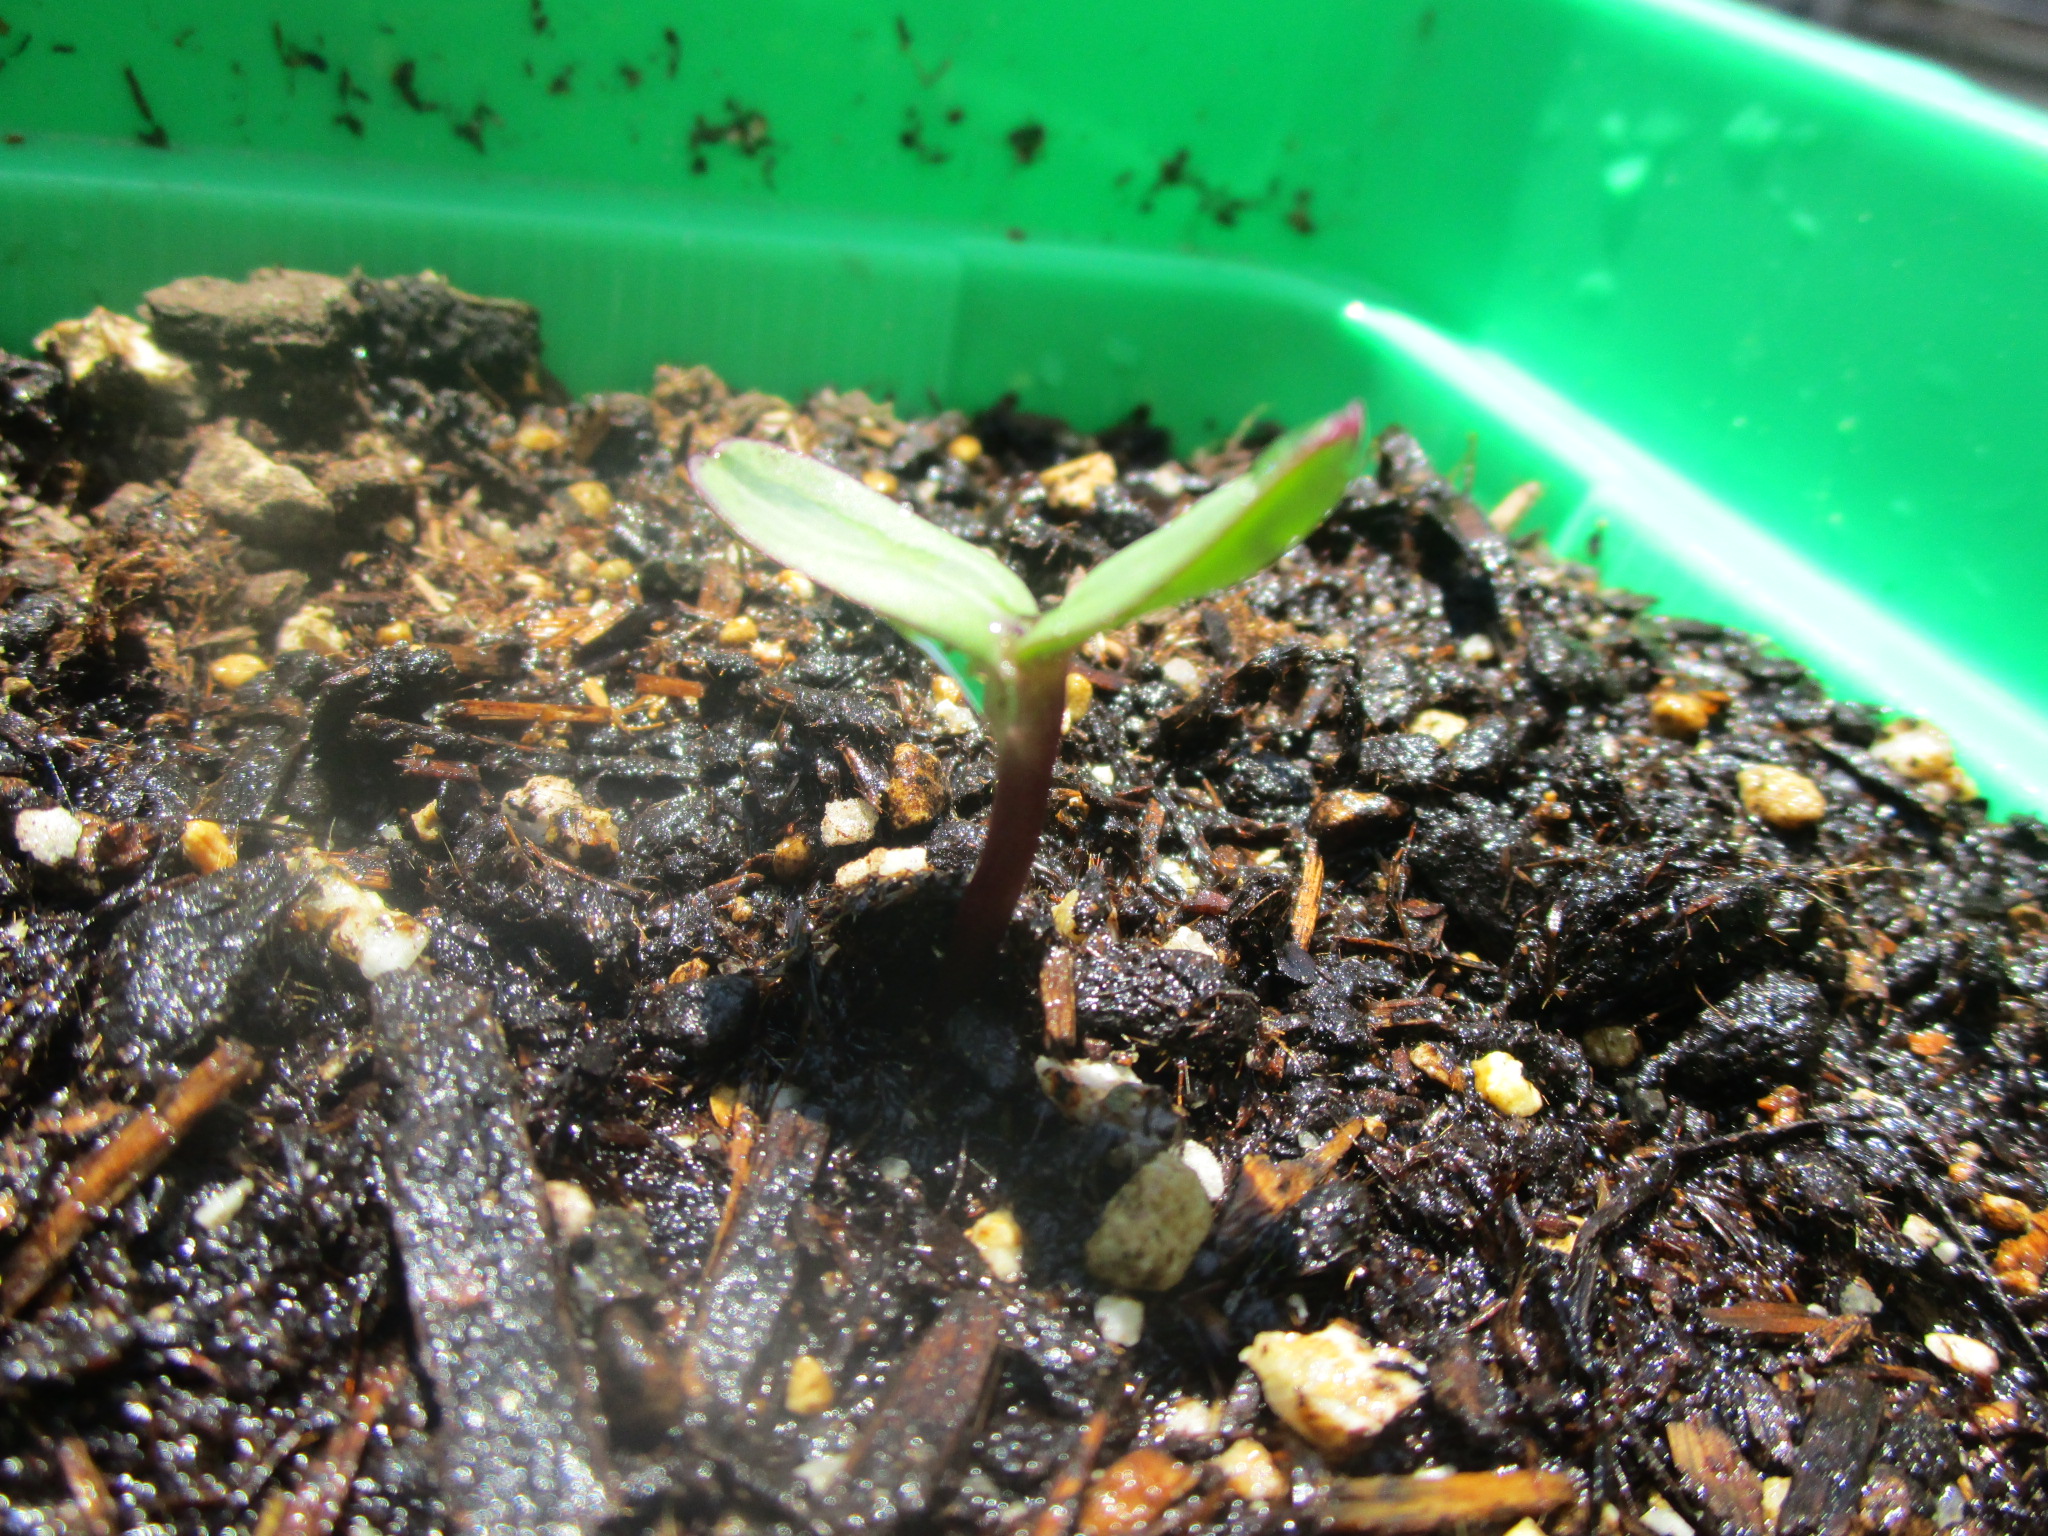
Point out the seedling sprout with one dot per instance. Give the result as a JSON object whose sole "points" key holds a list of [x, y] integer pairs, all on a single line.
{"points": [[978, 621]]}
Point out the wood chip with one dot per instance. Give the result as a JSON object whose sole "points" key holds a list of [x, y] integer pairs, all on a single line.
{"points": [[753, 1269], [1393, 1506], [1827, 1481], [908, 1444], [1730, 1487], [1783, 1319], [514, 712], [668, 687], [107, 1177], [1056, 996], [1308, 895]]}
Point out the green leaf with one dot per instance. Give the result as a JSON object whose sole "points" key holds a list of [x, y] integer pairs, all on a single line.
{"points": [[1233, 532], [865, 547], [955, 666]]}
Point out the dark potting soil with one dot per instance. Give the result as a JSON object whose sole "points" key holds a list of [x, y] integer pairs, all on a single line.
{"points": [[312, 564]]}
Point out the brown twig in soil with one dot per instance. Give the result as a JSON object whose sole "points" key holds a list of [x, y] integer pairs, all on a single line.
{"points": [[1398, 1506], [1057, 1517], [1056, 995], [110, 1175], [90, 1496], [1308, 896], [312, 1508]]}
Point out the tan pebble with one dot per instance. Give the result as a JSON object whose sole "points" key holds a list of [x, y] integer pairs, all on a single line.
{"points": [[538, 437], [1774, 1491], [1247, 1470], [233, 671], [739, 910], [1080, 695], [1072, 486], [1683, 715], [848, 823], [1133, 1492], [2027, 1252], [397, 632], [1000, 1242], [1063, 916], [798, 587], [770, 653], [2004, 1212], [1152, 1227], [791, 861], [1612, 1046], [689, 971], [1919, 1231], [2020, 1282], [1961, 1353], [880, 480], [724, 1104], [946, 690], [426, 822], [810, 1389], [740, 631], [1432, 1063], [1439, 725], [1780, 797], [207, 847], [964, 448], [1928, 1042], [1183, 674], [571, 1207], [1333, 1388], [1525, 1527], [1501, 1082], [618, 568], [592, 498], [1915, 749], [915, 795]]}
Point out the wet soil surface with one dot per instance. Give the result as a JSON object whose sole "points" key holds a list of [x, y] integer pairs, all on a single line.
{"points": [[665, 1190]]}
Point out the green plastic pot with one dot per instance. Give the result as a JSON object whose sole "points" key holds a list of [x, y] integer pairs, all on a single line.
{"points": [[1766, 311]]}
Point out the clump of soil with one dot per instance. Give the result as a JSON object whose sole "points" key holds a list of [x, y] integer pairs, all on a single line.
{"points": [[1641, 1045]]}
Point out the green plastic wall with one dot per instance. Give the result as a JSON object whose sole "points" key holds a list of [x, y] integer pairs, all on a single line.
{"points": [[1766, 311]]}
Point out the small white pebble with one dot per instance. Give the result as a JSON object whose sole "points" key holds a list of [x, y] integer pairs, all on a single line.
{"points": [[1859, 1300], [1439, 725], [1183, 674], [1177, 874], [882, 864], [848, 823], [797, 586], [894, 1170], [1000, 1242], [1658, 1516], [1103, 774], [1915, 749], [1524, 1527], [1476, 650], [1919, 1231], [1500, 1081], [1952, 1508], [1959, 1352], [1185, 1418], [223, 1205], [572, 1208], [312, 628], [1152, 1228], [822, 1473], [49, 836], [950, 719], [1188, 939], [1120, 1320], [1333, 1388], [1206, 1168]]}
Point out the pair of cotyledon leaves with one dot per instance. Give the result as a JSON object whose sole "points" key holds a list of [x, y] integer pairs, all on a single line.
{"points": [[970, 611]]}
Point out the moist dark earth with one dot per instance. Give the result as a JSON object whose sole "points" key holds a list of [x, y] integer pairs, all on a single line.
{"points": [[643, 1199]]}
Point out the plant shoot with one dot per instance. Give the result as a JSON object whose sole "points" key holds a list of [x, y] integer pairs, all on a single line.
{"points": [[978, 620]]}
